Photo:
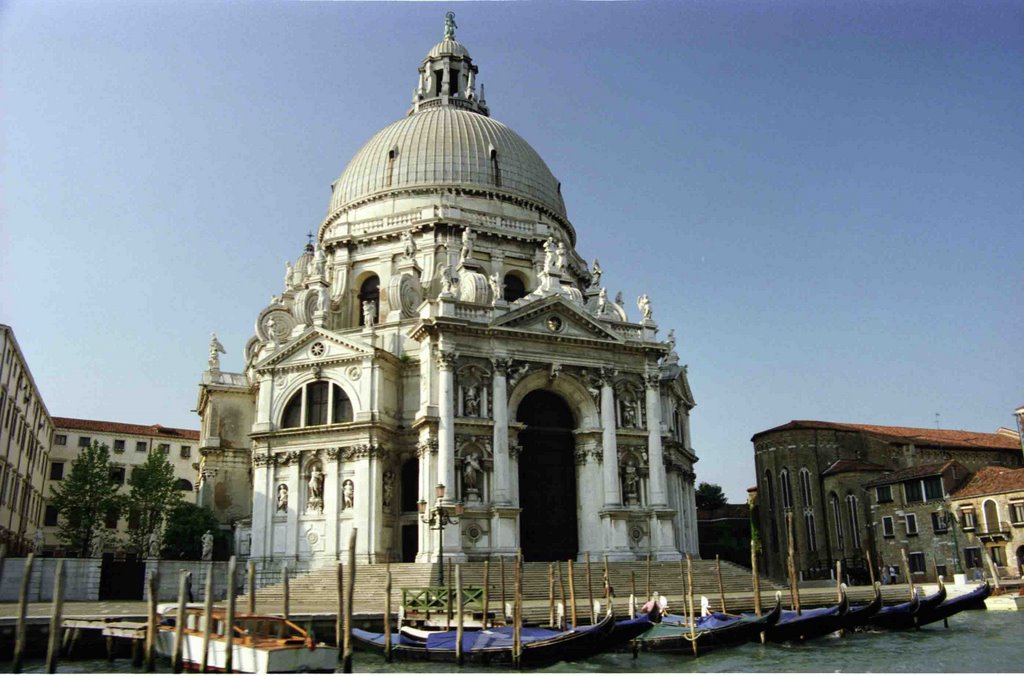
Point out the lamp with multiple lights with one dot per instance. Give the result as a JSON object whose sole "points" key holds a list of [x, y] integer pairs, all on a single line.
{"points": [[437, 518]]}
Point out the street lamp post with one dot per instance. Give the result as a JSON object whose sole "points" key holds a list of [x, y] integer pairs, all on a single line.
{"points": [[436, 519]]}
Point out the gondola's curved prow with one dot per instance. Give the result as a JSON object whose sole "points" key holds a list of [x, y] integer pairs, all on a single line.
{"points": [[810, 624], [858, 616]]}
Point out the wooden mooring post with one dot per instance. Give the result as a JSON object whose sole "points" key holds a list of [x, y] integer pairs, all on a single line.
{"points": [[229, 618], [755, 579], [871, 566], [346, 664], [458, 617], [487, 594], [387, 615], [572, 594], [53, 645], [152, 587], [19, 630], [607, 587], [551, 594], [251, 574], [590, 592], [794, 584], [285, 592], [689, 601], [721, 589], [339, 619], [561, 592], [517, 616], [179, 622], [906, 571], [501, 571], [207, 620], [648, 595]]}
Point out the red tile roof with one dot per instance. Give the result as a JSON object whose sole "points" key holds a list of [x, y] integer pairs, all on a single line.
{"points": [[990, 480], [914, 472], [920, 436], [125, 428], [842, 466]]}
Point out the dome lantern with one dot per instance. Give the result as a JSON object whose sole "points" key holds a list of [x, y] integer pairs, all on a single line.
{"points": [[447, 76]]}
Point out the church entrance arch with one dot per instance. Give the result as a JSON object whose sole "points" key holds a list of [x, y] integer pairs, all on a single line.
{"points": [[547, 478]]}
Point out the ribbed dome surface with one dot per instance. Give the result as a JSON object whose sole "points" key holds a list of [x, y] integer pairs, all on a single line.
{"points": [[448, 47], [447, 146]]}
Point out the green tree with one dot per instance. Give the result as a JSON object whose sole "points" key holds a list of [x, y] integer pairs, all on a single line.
{"points": [[84, 499], [709, 496], [153, 494], [186, 524]]}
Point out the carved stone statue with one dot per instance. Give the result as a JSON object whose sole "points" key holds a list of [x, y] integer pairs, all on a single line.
{"points": [[602, 300], [549, 254], [321, 299], [153, 545], [449, 25], [348, 494], [471, 403], [595, 274], [471, 472], [216, 349], [560, 257], [282, 498], [207, 541], [315, 502], [319, 261], [288, 274], [387, 488], [37, 542], [671, 340], [446, 284], [644, 303], [467, 246], [497, 287], [515, 375], [409, 246], [369, 313], [618, 299], [97, 545], [628, 413], [631, 483]]}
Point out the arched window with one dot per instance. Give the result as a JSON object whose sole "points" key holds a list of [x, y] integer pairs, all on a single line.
{"points": [[370, 290], [991, 511], [805, 486], [837, 520], [787, 490], [769, 490], [316, 403], [293, 412], [812, 539], [184, 485], [515, 288], [342, 408], [410, 484], [851, 505]]}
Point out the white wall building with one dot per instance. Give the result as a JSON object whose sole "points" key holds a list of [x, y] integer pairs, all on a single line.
{"points": [[444, 330], [129, 447]]}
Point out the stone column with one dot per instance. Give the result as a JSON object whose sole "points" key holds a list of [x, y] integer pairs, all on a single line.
{"points": [[656, 482], [264, 502], [332, 491], [499, 407], [446, 424], [296, 503], [610, 459]]}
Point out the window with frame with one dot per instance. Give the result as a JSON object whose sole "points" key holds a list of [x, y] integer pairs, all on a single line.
{"points": [[369, 291], [837, 520], [165, 449], [56, 471], [932, 487], [318, 404], [1017, 513], [910, 521], [186, 451], [883, 494], [60, 440], [118, 445], [912, 491], [967, 520], [812, 540], [134, 519], [805, 486], [972, 557], [141, 446], [998, 554], [111, 518], [940, 522], [117, 476], [787, 491], [770, 490], [50, 516], [917, 562], [851, 506], [84, 442]]}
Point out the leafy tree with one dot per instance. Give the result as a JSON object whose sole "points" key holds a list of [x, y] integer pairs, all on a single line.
{"points": [[186, 524], [84, 498], [709, 496], [153, 494]]}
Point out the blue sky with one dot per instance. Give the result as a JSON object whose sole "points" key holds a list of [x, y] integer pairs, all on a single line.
{"points": [[823, 199]]}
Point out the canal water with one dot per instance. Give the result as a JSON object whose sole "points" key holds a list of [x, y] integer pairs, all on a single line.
{"points": [[976, 642]]}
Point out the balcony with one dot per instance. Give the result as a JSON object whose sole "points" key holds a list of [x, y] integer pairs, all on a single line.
{"points": [[993, 530]]}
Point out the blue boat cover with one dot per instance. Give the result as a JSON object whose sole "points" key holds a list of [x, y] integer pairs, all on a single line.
{"points": [[791, 616]]}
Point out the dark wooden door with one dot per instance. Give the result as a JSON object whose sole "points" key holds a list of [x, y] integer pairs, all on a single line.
{"points": [[122, 579], [410, 543]]}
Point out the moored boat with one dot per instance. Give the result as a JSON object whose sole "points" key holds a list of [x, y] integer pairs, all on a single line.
{"points": [[907, 615], [858, 616], [259, 643], [809, 624], [974, 599], [717, 630]]}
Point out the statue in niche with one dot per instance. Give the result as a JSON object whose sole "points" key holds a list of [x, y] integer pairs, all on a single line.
{"points": [[207, 541], [315, 502], [497, 287], [216, 349], [153, 545], [369, 313], [595, 275], [321, 299], [409, 246], [471, 403], [348, 494], [467, 246], [644, 303], [631, 483], [628, 412], [319, 261], [602, 300], [471, 472], [388, 488], [549, 254], [282, 498], [560, 257], [446, 284]]}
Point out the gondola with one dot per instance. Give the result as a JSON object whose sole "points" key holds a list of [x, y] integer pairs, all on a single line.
{"points": [[809, 624], [858, 616], [717, 630], [907, 615], [972, 600], [540, 647]]}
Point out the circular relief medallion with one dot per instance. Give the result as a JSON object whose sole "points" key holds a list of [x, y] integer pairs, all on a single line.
{"points": [[555, 323], [473, 532], [312, 538], [317, 349], [353, 373]]}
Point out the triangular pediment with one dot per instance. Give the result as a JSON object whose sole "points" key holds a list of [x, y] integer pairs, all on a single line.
{"points": [[316, 346], [555, 316]]}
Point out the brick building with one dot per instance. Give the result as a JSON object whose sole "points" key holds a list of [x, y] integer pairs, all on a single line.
{"points": [[990, 511]]}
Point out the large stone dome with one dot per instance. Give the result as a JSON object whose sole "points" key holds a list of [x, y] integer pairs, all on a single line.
{"points": [[447, 146]]}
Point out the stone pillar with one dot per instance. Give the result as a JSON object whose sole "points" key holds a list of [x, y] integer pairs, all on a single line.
{"points": [[610, 459], [332, 500], [446, 425], [296, 504], [502, 482], [264, 502], [656, 482]]}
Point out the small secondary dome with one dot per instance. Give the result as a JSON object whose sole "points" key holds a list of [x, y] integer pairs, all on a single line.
{"points": [[448, 140]]}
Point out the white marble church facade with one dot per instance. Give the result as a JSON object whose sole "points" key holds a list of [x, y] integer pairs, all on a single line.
{"points": [[443, 329]]}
